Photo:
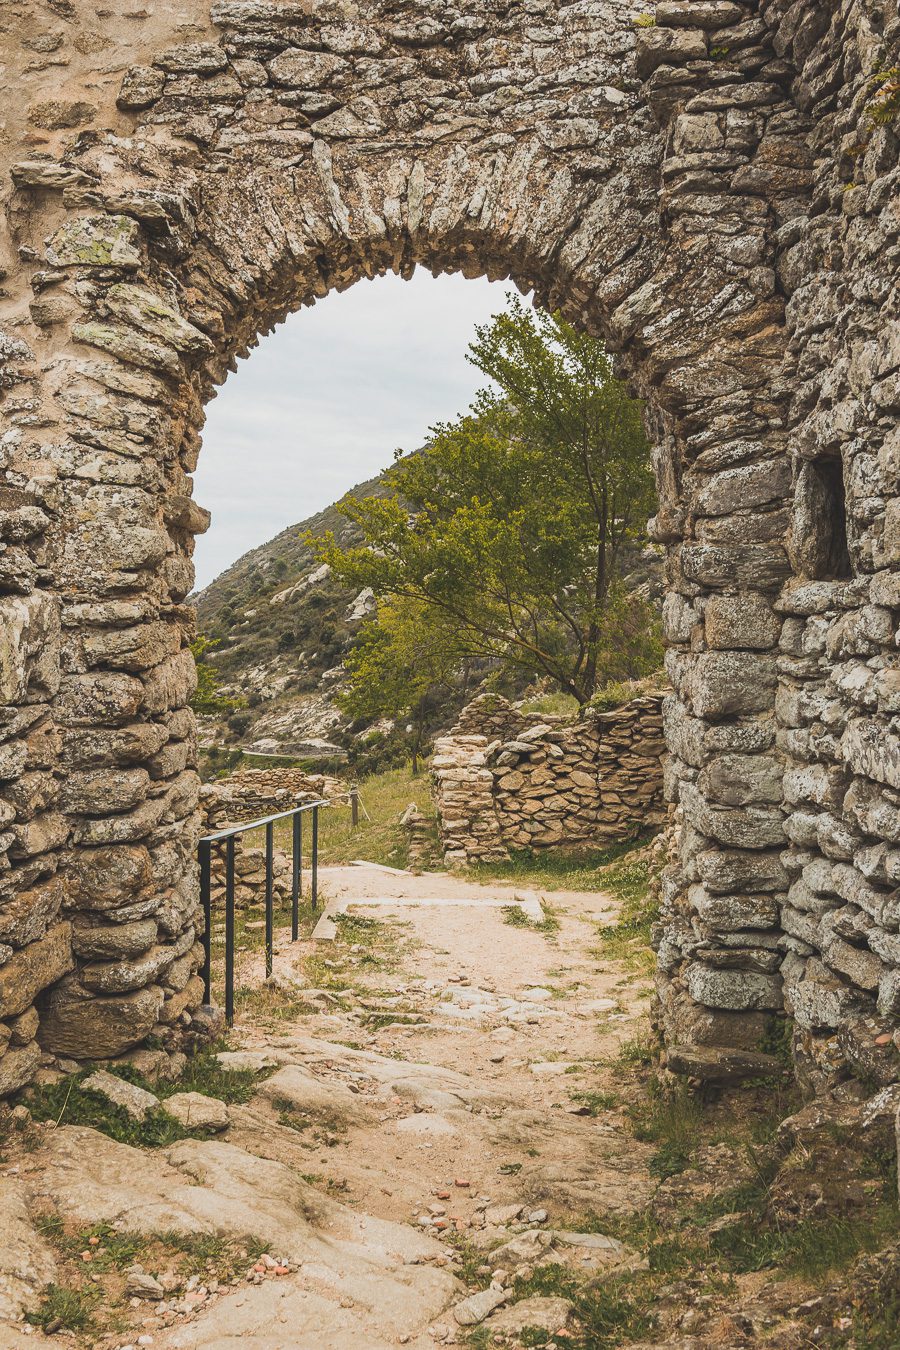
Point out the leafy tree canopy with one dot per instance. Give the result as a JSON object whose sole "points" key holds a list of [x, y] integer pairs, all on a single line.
{"points": [[506, 532], [208, 696]]}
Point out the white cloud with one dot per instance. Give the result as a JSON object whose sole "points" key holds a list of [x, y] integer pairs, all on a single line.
{"points": [[325, 401]]}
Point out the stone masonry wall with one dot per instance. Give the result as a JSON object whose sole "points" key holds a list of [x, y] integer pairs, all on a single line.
{"points": [[506, 780], [786, 893], [254, 793], [710, 193]]}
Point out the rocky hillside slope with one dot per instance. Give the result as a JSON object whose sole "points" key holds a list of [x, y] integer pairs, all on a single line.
{"points": [[283, 625]]}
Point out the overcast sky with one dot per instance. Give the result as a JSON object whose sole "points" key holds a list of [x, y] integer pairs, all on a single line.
{"points": [[323, 402]]}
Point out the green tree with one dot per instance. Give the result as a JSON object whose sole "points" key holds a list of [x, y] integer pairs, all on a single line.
{"points": [[511, 524], [403, 658], [208, 696]]}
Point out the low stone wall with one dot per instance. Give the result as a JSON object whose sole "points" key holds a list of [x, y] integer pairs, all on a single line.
{"points": [[253, 793], [506, 780], [246, 796]]}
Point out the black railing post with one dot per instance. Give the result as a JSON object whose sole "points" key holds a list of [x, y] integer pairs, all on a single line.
{"points": [[315, 857], [228, 836], [297, 875], [206, 902], [270, 850], [354, 806], [229, 930]]}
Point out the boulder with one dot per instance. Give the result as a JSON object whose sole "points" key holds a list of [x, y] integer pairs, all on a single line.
{"points": [[474, 1309], [17, 1067], [35, 967], [131, 1098], [722, 1064], [109, 942], [535, 1314], [27, 1264], [87, 1026], [196, 1111], [138, 1284]]}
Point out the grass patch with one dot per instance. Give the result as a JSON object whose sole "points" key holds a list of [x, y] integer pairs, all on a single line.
{"points": [[595, 1103], [63, 1309], [379, 837], [636, 1053], [359, 929], [378, 1021], [556, 704], [87, 1303], [556, 869], [610, 1313], [469, 1258], [205, 1074], [69, 1102], [114, 1250], [809, 1249], [671, 1117], [628, 939], [266, 1003], [516, 917]]}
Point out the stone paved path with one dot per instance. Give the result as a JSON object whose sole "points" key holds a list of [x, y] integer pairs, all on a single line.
{"points": [[428, 1062]]}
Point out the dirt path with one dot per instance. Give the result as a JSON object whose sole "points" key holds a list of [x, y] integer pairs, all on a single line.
{"points": [[435, 1112], [528, 1020], [430, 1139]]}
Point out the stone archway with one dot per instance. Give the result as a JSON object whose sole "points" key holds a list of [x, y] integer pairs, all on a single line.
{"points": [[675, 186]]}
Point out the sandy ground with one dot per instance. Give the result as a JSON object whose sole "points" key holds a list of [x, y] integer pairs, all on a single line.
{"points": [[528, 1018], [437, 1076]]}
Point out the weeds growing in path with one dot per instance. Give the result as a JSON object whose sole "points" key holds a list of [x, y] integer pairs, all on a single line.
{"points": [[517, 917]]}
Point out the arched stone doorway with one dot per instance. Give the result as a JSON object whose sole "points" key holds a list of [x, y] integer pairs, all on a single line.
{"points": [[654, 182]]}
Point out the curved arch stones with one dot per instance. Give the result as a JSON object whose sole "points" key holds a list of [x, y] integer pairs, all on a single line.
{"points": [[701, 182]]}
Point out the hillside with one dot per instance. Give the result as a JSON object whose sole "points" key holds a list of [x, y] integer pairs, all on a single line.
{"points": [[283, 624]]}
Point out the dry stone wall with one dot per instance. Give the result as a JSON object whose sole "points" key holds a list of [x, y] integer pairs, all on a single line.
{"points": [[254, 793], [507, 780], [710, 193]]}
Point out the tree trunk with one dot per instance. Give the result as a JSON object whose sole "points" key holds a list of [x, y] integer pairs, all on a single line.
{"points": [[601, 585]]}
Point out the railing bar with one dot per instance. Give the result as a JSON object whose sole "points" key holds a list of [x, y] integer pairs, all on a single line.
{"points": [[229, 930], [315, 857], [270, 850], [265, 820], [206, 902], [297, 867]]}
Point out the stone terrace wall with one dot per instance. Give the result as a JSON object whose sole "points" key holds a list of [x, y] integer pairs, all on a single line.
{"points": [[505, 779], [246, 796]]}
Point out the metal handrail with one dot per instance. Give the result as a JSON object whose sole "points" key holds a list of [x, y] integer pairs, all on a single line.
{"points": [[204, 851], [266, 820]]}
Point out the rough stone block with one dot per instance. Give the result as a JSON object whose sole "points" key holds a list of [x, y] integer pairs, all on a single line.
{"points": [[868, 748], [735, 622], [134, 1100], [86, 1026], [17, 1067], [725, 683], [751, 827], [729, 870], [733, 913], [739, 780], [33, 968], [29, 647], [737, 990]]}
